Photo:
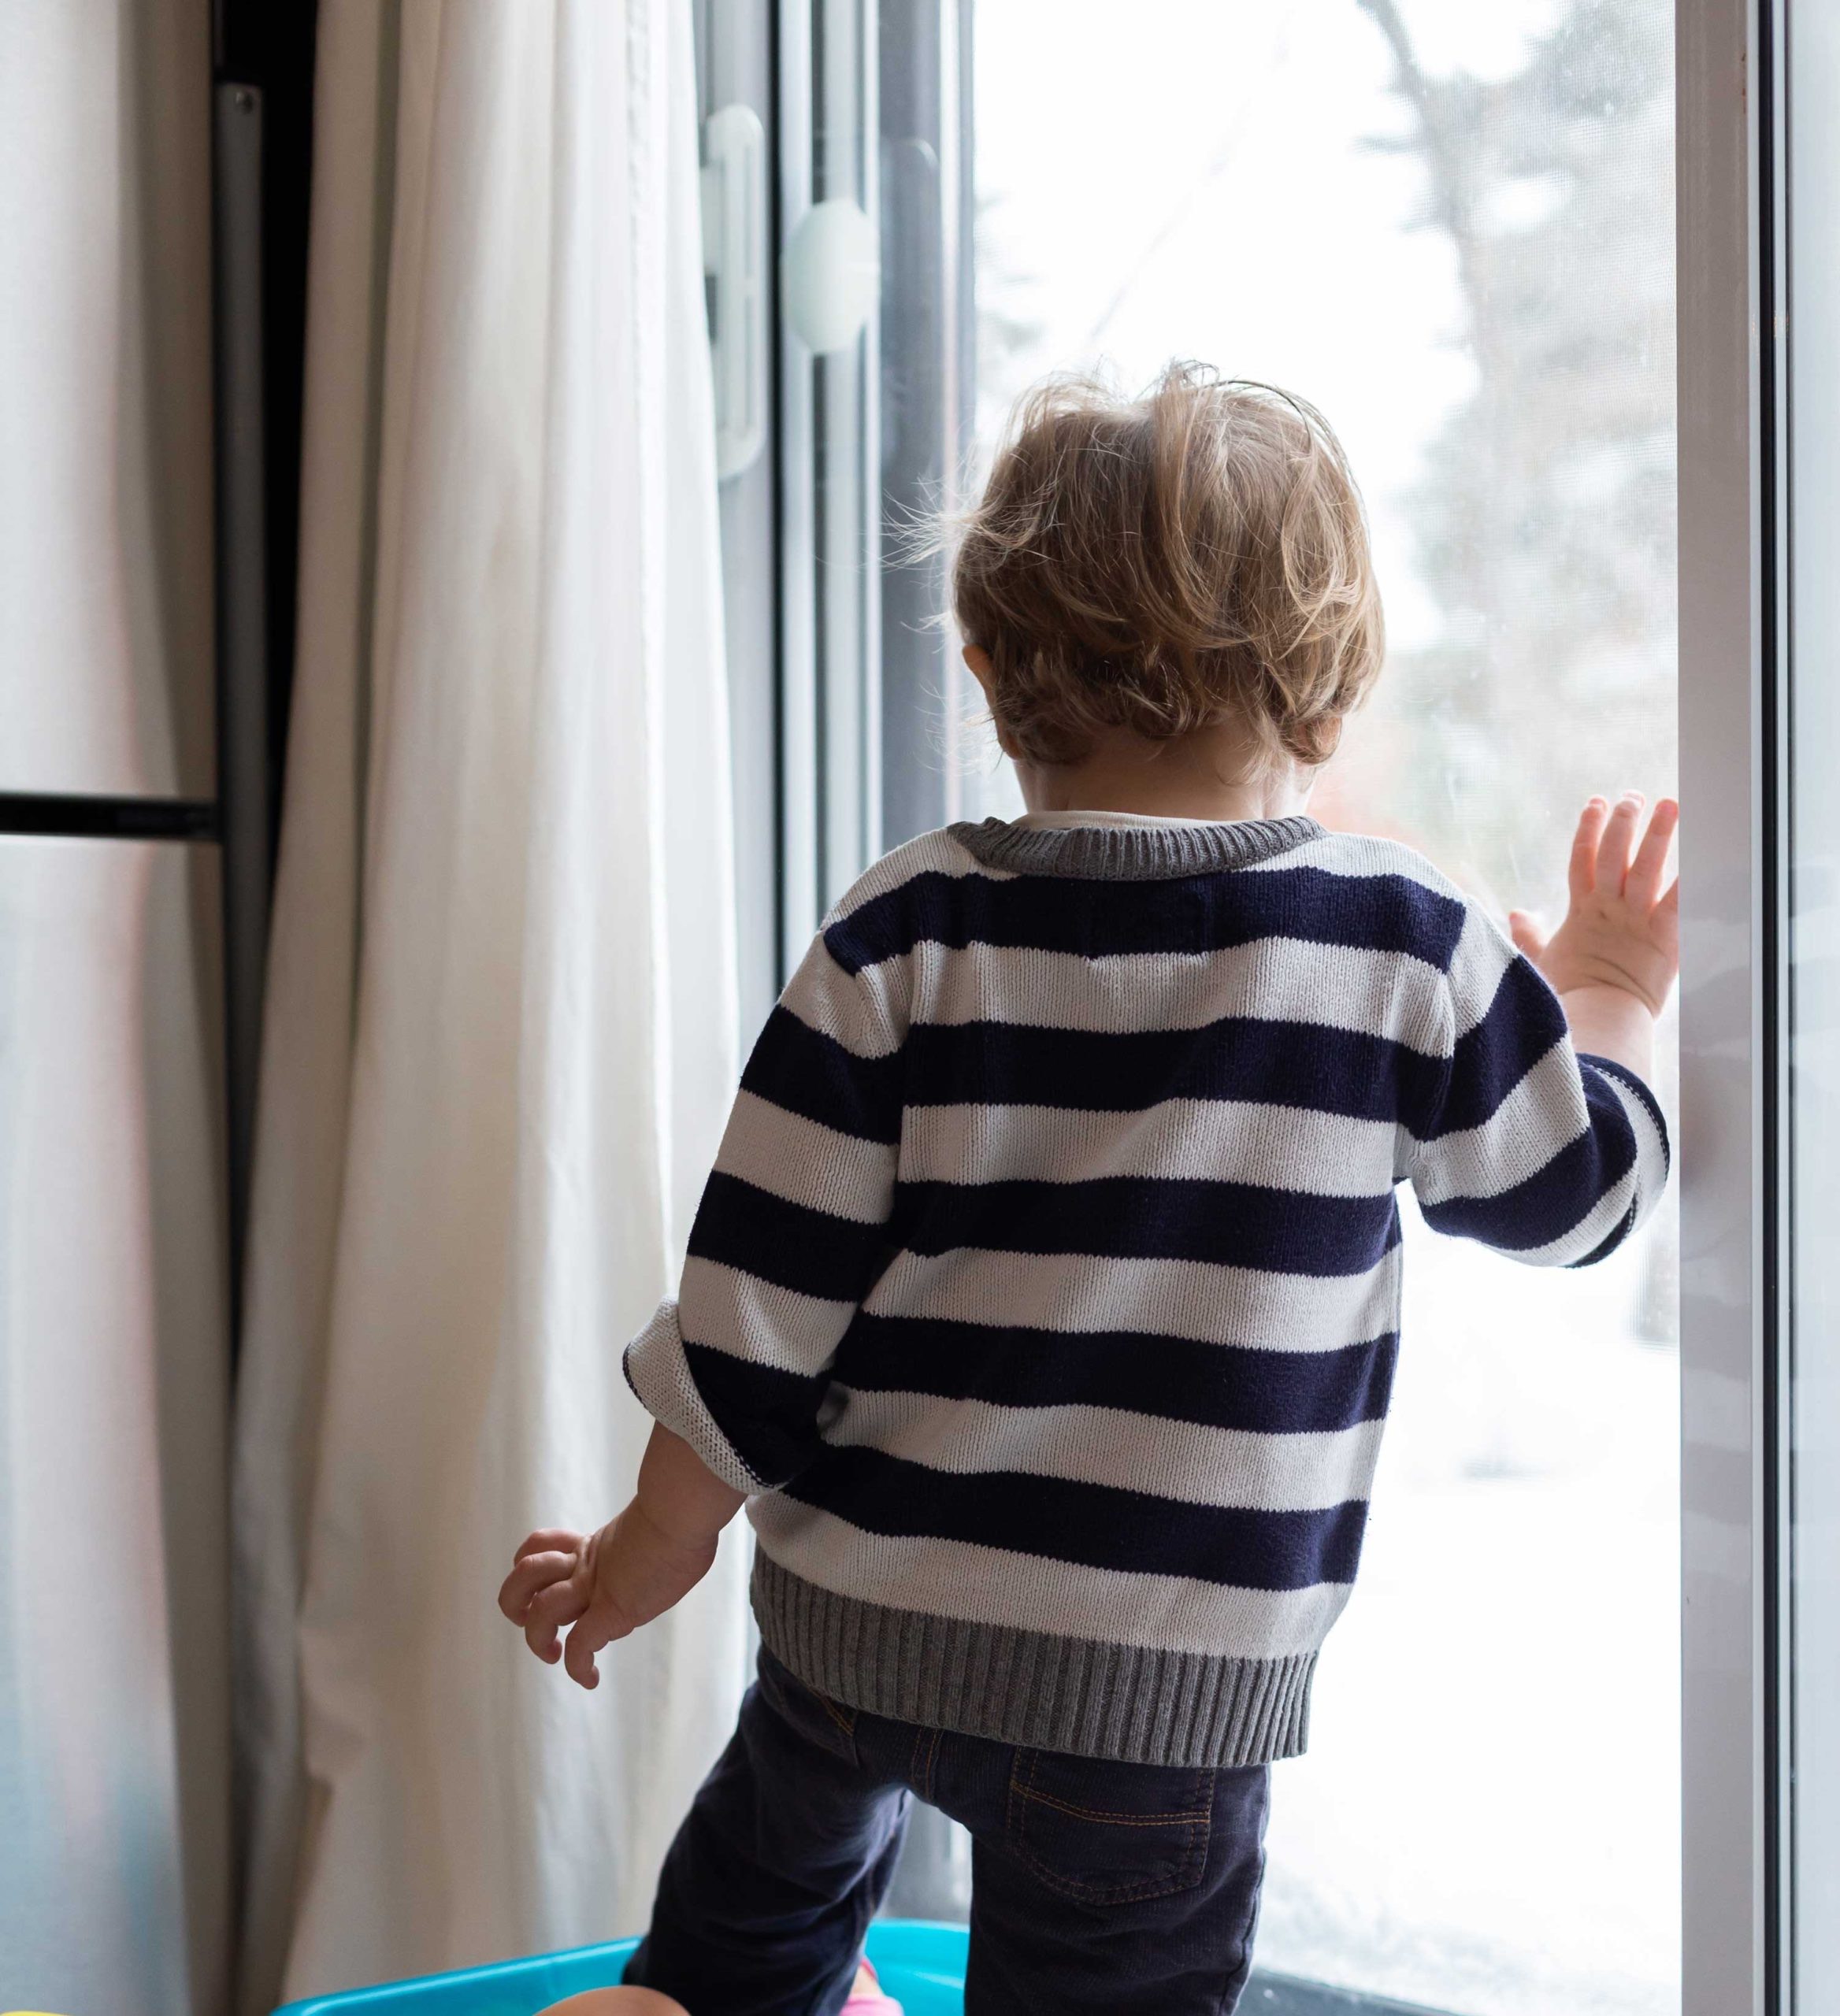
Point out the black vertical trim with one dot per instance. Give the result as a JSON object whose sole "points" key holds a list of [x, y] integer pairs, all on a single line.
{"points": [[263, 59], [242, 580], [271, 44], [1773, 787], [776, 448]]}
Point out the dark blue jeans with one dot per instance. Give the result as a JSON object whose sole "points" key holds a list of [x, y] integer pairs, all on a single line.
{"points": [[1096, 1887]]}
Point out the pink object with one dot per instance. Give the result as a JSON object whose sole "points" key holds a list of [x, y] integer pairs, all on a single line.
{"points": [[871, 2001]]}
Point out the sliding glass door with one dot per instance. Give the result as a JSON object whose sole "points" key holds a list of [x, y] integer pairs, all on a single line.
{"points": [[1550, 1772]]}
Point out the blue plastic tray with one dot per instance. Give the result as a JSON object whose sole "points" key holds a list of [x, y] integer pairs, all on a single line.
{"points": [[921, 1966]]}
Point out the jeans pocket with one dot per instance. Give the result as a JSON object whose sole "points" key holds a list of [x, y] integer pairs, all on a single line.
{"points": [[1109, 1833], [820, 1720]]}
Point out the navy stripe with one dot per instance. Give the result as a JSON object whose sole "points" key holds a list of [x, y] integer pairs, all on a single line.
{"points": [[1524, 1020], [1300, 1064], [1231, 1224], [770, 1416], [1181, 913], [1097, 1525], [1237, 1386], [1557, 1197], [1628, 1080], [738, 1225], [1613, 1238], [811, 1074]]}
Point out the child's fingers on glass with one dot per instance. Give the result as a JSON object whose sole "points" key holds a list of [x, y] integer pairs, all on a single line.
{"points": [[1524, 929], [1643, 884], [1582, 873], [1618, 842]]}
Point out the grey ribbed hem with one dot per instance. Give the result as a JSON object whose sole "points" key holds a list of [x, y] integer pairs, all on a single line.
{"points": [[1131, 853], [1125, 1702]]}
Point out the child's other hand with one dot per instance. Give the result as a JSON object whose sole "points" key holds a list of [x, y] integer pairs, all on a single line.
{"points": [[1621, 928], [598, 1587]]}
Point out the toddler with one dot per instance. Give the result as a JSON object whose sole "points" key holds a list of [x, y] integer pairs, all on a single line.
{"points": [[1043, 1306]]}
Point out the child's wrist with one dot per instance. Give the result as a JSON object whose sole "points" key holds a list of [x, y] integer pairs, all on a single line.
{"points": [[1612, 996], [680, 1497], [669, 1527], [1612, 1021]]}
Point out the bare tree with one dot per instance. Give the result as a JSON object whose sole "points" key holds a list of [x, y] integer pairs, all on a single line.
{"points": [[1544, 524]]}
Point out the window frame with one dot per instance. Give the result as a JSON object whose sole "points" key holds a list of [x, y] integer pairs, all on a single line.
{"points": [[1735, 1921]]}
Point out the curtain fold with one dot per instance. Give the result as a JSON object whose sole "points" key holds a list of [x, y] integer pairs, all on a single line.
{"points": [[501, 1036]]}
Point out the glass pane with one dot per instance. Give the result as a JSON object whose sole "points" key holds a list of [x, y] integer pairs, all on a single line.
{"points": [[107, 677], [114, 1354], [1451, 227]]}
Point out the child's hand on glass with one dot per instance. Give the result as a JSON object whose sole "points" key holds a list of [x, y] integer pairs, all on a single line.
{"points": [[600, 1586], [1621, 928]]}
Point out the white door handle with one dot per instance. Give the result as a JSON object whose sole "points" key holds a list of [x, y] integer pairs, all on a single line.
{"points": [[830, 273]]}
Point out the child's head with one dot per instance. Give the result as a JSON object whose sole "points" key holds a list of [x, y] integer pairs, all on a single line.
{"points": [[1195, 558]]}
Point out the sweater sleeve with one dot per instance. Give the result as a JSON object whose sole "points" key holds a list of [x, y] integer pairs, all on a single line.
{"points": [[1551, 1157], [790, 1235]]}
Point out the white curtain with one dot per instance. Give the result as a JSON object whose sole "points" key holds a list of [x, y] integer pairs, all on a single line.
{"points": [[500, 1036]]}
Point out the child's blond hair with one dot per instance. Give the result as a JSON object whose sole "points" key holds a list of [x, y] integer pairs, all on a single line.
{"points": [[1160, 565]]}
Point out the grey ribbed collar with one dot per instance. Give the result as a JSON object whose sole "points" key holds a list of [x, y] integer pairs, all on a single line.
{"points": [[1131, 853]]}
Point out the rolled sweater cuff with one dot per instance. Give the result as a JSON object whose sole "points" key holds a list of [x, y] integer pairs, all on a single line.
{"points": [[1649, 1104], [658, 1371]]}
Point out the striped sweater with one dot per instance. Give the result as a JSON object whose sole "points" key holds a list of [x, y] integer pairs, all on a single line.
{"points": [[1044, 1297]]}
